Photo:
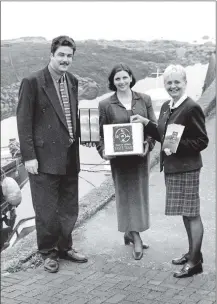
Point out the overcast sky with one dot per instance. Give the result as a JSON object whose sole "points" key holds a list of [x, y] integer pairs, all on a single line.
{"points": [[184, 21]]}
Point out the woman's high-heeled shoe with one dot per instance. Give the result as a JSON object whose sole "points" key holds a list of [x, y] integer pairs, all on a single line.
{"points": [[129, 239], [188, 271], [184, 259], [137, 255]]}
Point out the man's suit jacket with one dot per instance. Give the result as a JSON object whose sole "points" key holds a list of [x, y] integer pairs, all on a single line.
{"points": [[42, 126]]}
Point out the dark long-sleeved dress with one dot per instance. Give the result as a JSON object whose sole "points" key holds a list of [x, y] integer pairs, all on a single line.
{"points": [[130, 173]]}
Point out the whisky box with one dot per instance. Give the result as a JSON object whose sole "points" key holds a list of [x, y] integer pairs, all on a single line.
{"points": [[94, 125], [89, 125], [123, 139], [84, 125]]}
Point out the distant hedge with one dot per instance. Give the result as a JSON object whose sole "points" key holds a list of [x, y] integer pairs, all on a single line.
{"points": [[95, 59]]}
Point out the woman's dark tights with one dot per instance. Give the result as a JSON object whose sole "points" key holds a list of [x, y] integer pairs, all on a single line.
{"points": [[194, 228]]}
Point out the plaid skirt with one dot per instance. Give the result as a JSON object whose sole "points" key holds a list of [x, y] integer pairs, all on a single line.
{"points": [[182, 193]]}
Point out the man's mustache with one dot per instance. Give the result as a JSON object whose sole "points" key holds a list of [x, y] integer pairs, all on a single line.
{"points": [[64, 63]]}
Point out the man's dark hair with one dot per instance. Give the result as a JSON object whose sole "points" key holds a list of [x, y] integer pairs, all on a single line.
{"points": [[118, 68], [62, 41]]}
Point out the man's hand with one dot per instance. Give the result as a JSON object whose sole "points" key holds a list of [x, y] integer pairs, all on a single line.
{"points": [[32, 166], [168, 151], [146, 149], [106, 157], [138, 118]]}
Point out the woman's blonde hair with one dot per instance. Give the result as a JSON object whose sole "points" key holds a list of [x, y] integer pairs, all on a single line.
{"points": [[175, 68]]}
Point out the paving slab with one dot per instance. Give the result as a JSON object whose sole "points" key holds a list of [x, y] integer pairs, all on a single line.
{"points": [[111, 274]]}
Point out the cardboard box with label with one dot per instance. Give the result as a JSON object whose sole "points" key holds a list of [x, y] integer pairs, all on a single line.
{"points": [[123, 139]]}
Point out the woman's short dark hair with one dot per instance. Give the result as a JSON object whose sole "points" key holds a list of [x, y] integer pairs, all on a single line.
{"points": [[62, 41], [118, 68]]}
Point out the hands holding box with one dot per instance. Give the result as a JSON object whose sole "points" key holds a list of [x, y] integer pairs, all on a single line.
{"points": [[123, 139], [119, 139]]}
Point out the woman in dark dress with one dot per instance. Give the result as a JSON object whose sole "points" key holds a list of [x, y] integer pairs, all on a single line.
{"points": [[182, 169], [130, 173]]}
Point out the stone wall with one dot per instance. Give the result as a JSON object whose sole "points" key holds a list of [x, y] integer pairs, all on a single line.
{"points": [[87, 89]]}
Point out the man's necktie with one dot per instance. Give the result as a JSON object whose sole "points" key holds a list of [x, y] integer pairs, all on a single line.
{"points": [[66, 106]]}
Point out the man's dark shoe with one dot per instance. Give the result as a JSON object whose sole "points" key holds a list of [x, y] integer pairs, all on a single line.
{"points": [[72, 255], [51, 265], [188, 271]]}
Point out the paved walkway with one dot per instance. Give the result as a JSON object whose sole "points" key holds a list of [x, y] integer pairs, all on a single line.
{"points": [[111, 275]]}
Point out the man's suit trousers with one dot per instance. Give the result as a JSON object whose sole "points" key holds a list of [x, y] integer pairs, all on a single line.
{"points": [[55, 201]]}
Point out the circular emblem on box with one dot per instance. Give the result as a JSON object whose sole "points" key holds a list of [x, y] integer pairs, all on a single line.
{"points": [[123, 135]]}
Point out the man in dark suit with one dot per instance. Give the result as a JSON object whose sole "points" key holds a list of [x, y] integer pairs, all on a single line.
{"points": [[48, 128]]}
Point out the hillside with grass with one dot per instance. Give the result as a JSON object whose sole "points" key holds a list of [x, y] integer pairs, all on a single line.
{"points": [[93, 60]]}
